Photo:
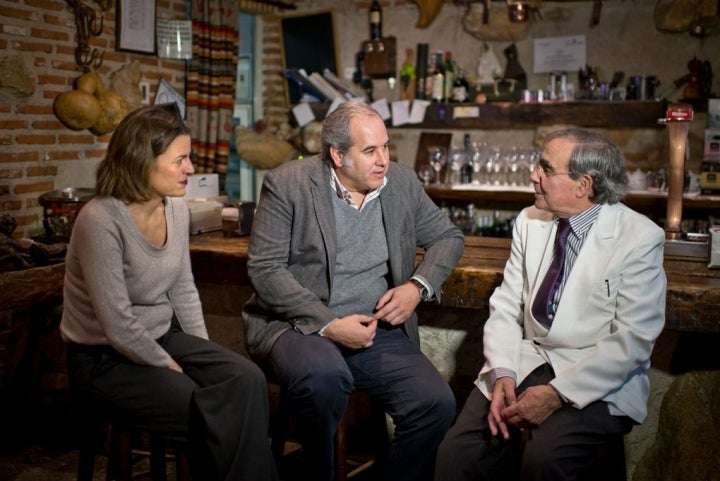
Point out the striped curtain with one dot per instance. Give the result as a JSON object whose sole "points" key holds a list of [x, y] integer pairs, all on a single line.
{"points": [[211, 83]]}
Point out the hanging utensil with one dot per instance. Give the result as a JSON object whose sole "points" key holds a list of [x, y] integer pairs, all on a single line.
{"points": [[595, 17]]}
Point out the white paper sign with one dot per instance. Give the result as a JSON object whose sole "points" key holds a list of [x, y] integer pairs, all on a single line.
{"points": [[417, 111], [174, 38], [382, 108], [560, 54], [400, 112], [303, 114]]}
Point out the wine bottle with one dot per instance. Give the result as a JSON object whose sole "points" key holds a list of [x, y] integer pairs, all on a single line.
{"points": [[449, 77], [421, 70], [375, 21], [438, 86], [460, 88]]}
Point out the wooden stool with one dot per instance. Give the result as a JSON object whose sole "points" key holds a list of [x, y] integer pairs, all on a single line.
{"points": [[610, 460], [118, 443], [279, 432]]}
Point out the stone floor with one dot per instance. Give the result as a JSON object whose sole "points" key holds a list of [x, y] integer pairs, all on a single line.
{"points": [[41, 446], [44, 447], [41, 462]]}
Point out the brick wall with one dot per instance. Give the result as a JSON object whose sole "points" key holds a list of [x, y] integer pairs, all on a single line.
{"points": [[274, 104], [37, 152]]}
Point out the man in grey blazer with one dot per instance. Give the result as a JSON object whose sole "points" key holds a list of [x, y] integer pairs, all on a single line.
{"points": [[332, 260], [570, 368]]}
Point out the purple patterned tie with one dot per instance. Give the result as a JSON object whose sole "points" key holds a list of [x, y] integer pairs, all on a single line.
{"points": [[553, 278]]}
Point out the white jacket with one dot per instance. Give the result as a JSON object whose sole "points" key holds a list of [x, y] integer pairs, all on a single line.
{"points": [[610, 313]]}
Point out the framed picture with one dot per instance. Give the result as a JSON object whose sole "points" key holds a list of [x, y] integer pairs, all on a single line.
{"points": [[174, 38], [423, 166], [135, 29], [308, 42]]}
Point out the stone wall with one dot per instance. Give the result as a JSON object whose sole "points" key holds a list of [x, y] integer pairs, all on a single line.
{"points": [[37, 63]]}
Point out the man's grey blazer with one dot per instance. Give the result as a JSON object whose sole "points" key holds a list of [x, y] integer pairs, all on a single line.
{"points": [[293, 245]]}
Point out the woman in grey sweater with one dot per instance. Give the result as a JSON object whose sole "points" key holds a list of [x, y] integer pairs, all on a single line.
{"points": [[128, 277]]}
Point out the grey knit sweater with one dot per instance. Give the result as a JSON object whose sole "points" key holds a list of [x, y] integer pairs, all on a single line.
{"points": [[122, 291], [361, 263]]}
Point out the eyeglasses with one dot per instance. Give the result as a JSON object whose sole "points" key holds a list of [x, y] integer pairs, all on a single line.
{"points": [[541, 168]]}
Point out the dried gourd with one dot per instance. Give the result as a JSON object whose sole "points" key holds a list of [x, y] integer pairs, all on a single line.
{"points": [[113, 108], [77, 109], [88, 82]]}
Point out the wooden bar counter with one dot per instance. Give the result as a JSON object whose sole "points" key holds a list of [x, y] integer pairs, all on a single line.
{"points": [[451, 333], [693, 297]]}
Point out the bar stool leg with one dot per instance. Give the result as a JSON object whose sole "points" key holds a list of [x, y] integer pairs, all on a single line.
{"points": [[158, 466], [86, 461], [182, 465], [119, 467], [341, 451]]}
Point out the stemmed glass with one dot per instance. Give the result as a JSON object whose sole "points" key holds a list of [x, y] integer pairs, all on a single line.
{"points": [[479, 155], [532, 160], [437, 157], [425, 173], [457, 160], [491, 166]]}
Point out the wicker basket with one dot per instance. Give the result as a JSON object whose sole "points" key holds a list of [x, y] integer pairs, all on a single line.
{"points": [[264, 151]]}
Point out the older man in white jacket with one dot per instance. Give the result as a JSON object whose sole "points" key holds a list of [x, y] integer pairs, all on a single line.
{"points": [[565, 370]]}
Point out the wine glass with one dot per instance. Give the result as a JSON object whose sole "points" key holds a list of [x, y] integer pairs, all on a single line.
{"points": [[514, 173], [479, 155], [437, 156], [425, 173], [489, 167], [457, 160]]}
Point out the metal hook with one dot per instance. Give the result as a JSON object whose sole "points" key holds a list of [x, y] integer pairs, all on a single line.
{"points": [[104, 4], [85, 57], [86, 21], [91, 24]]}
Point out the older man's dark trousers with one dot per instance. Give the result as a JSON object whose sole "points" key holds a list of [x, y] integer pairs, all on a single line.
{"points": [[563, 448]]}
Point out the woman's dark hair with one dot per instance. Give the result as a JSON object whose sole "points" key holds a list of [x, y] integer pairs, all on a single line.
{"points": [[140, 138]]}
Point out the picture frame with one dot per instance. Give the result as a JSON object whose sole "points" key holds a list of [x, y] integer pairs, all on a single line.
{"points": [[309, 42], [427, 140], [135, 28], [173, 38]]}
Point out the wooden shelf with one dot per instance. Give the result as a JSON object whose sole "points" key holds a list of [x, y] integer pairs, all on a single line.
{"points": [[653, 205], [505, 115]]}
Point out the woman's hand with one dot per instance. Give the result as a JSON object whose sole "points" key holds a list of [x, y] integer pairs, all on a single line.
{"points": [[175, 366]]}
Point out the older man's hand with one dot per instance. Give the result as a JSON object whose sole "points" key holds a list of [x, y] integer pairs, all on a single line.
{"points": [[533, 406]]}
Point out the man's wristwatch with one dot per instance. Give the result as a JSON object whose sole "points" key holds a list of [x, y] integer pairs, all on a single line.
{"points": [[424, 292]]}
